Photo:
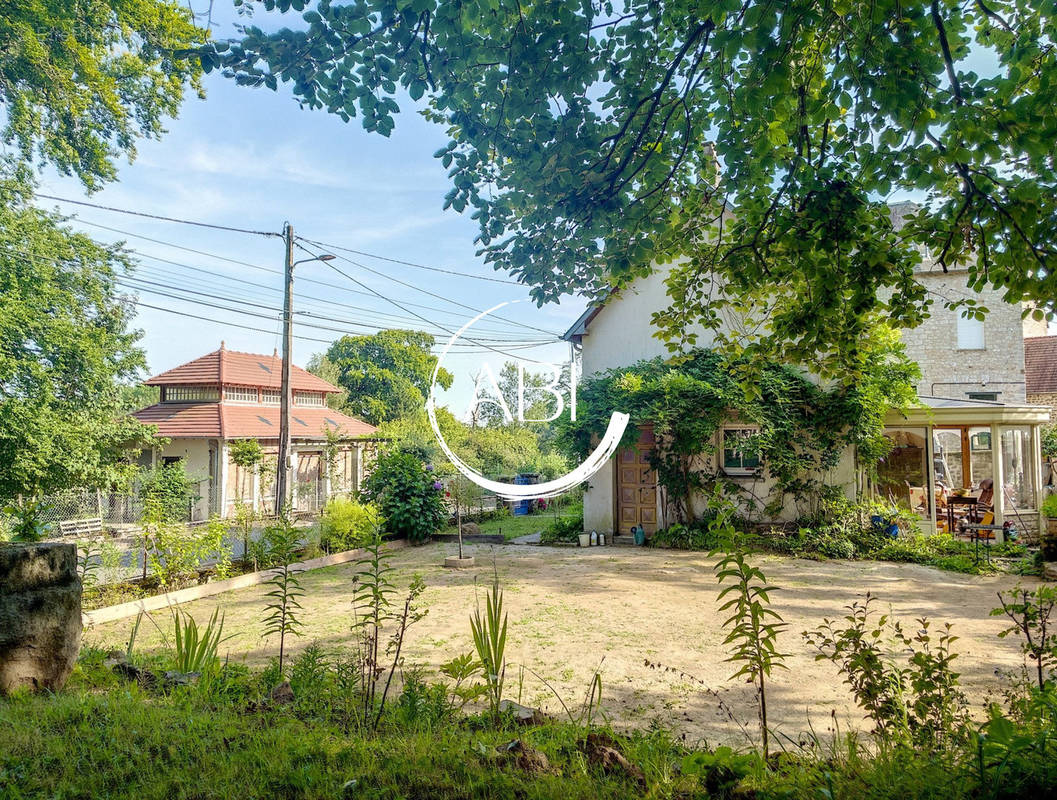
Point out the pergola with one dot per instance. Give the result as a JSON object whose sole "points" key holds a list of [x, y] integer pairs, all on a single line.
{"points": [[948, 447]]}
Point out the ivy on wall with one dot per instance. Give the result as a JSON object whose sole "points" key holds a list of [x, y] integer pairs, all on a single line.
{"points": [[803, 429]]}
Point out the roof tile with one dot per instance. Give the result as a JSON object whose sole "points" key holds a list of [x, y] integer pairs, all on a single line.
{"points": [[217, 420], [234, 368]]}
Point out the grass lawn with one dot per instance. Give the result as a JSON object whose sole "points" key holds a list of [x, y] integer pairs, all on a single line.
{"points": [[512, 527], [620, 611]]}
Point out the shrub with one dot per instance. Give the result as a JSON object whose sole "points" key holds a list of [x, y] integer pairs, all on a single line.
{"points": [[696, 535], [347, 524], [563, 529], [408, 495], [170, 490], [175, 552], [919, 701], [1049, 442], [829, 541], [25, 522], [1049, 506]]}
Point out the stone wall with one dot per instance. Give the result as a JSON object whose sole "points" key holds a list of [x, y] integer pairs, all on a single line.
{"points": [[1049, 468], [947, 370], [1047, 399], [40, 616]]}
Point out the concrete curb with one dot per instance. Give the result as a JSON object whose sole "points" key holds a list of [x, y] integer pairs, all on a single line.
{"points": [[123, 610], [470, 538]]}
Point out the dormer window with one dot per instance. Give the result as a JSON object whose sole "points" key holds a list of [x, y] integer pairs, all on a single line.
{"points": [[190, 394], [309, 399], [241, 394]]}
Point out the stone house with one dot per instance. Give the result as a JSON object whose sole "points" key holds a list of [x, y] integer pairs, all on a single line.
{"points": [[974, 424], [224, 396]]}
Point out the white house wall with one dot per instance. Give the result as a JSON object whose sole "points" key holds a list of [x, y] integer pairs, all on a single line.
{"points": [[195, 453], [620, 335]]}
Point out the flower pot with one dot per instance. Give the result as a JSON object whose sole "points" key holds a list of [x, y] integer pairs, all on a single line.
{"points": [[585, 540]]}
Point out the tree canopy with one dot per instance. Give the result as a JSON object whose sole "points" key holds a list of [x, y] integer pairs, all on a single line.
{"points": [[755, 143], [81, 81], [386, 375], [65, 348]]}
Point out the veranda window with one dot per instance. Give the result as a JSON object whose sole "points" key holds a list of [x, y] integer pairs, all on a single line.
{"points": [[1017, 474], [902, 475]]}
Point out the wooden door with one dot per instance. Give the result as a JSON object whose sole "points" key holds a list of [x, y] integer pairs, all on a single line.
{"points": [[637, 486]]}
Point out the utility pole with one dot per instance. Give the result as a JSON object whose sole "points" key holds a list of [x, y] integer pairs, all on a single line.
{"points": [[286, 398]]}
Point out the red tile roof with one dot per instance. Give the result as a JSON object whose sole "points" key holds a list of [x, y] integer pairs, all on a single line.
{"points": [[220, 421], [230, 367], [183, 420], [1040, 364]]}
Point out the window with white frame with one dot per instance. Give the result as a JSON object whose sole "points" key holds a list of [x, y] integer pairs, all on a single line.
{"points": [[970, 333], [192, 394], [310, 399], [271, 397], [741, 454], [241, 394]]}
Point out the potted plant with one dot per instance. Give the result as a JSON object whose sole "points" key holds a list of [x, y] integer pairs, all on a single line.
{"points": [[1048, 539]]}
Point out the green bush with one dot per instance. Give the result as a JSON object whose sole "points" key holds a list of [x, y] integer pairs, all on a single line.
{"points": [[347, 524], [563, 529], [175, 552], [695, 536], [1049, 506], [1049, 442], [408, 494], [170, 490], [829, 541]]}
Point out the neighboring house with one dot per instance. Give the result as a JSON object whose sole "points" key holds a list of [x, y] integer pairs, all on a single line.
{"points": [[226, 395], [974, 424], [1040, 366]]}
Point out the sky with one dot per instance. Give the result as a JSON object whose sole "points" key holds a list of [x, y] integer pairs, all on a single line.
{"points": [[251, 158]]}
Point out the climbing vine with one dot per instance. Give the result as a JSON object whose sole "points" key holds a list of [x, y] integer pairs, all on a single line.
{"points": [[801, 429]]}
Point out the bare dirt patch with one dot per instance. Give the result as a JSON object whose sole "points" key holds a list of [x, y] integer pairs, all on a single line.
{"points": [[572, 609]]}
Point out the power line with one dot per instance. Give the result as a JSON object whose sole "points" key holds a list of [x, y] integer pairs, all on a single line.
{"points": [[426, 291], [272, 272], [140, 304], [412, 263], [135, 283], [129, 282], [157, 216], [388, 320], [395, 303], [272, 234], [142, 284]]}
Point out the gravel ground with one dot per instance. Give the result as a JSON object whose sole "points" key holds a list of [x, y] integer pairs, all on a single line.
{"points": [[574, 611]]}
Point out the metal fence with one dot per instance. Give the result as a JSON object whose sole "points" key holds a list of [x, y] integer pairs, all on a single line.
{"points": [[113, 508]]}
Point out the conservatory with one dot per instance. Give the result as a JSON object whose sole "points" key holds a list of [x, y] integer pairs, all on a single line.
{"points": [[955, 461]]}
